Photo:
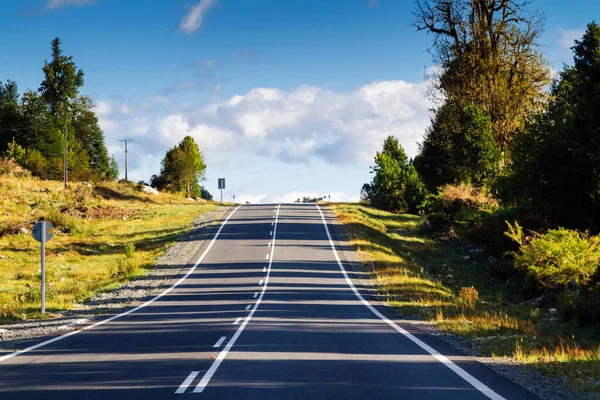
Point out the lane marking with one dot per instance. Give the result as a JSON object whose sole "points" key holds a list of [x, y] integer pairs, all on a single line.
{"points": [[272, 223], [477, 384], [187, 382], [248, 307], [220, 342], [271, 233], [237, 321], [213, 368], [260, 283], [256, 295], [265, 269], [267, 257], [166, 291], [269, 244]]}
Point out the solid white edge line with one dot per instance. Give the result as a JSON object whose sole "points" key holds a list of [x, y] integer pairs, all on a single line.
{"points": [[213, 368], [477, 384], [56, 339], [220, 342], [187, 382]]}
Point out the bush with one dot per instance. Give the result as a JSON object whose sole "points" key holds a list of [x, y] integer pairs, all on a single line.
{"points": [[129, 250], [559, 258], [35, 162], [467, 297], [61, 221]]}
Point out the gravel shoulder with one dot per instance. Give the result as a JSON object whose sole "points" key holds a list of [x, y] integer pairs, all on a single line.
{"points": [[543, 386], [23, 334]]}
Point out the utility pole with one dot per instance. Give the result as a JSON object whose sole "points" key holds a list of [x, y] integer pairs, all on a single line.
{"points": [[126, 141], [65, 155]]}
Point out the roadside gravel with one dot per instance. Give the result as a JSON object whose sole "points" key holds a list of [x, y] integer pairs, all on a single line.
{"points": [[26, 333], [545, 387]]}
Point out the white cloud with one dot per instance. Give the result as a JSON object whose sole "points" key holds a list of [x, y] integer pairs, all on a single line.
{"points": [[103, 108], [192, 21], [53, 4], [306, 125]]}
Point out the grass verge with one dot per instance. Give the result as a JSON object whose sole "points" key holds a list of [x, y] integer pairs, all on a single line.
{"points": [[423, 277], [104, 236]]}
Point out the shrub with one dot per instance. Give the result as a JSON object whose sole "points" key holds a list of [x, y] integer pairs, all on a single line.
{"points": [[36, 163], [467, 297], [560, 258], [62, 221], [129, 250]]}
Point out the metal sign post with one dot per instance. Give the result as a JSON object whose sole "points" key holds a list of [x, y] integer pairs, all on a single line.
{"points": [[42, 232], [221, 186]]}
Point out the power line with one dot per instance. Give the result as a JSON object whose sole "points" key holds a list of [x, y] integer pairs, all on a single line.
{"points": [[126, 141]]}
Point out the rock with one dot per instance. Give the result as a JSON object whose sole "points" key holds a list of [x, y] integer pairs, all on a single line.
{"points": [[86, 184], [124, 218], [150, 190], [552, 310], [191, 199], [24, 231], [2, 257]]}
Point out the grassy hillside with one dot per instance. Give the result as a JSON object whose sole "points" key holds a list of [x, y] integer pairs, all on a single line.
{"points": [[435, 280], [104, 235]]}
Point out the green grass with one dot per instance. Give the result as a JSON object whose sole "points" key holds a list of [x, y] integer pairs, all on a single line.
{"points": [[421, 277], [104, 237]]}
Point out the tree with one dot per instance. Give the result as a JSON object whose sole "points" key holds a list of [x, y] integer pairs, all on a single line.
{"points": [[387, 190], [205, 194], [60, 86], [113, 169], [182, 166], [415, 190], [488, 55], [10, 114], [88, 133], [475, 151], [556, 160]]}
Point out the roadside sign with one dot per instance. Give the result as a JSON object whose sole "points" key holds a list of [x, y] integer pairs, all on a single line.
{"points": [[38, 229], [42, 232], [221, 183]]}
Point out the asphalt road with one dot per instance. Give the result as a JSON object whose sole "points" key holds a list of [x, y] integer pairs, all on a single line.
{"points": [[267, 313]]}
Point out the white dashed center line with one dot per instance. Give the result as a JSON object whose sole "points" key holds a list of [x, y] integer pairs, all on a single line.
{"points": [[220, 342]]}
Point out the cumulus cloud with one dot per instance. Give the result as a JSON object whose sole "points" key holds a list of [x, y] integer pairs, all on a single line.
{"points": [[54, 4], [192, 21], [103, 108], [305, 125]]}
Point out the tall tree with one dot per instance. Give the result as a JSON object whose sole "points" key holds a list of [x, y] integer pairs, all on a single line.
{"points": [[488, 55], [11, 121], [60, 86], [556, 161]]}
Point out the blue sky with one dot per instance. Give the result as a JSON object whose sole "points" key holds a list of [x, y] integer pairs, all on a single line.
{"points": [[285, 98]]}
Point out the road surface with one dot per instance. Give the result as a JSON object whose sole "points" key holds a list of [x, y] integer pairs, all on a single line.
{"points": [[265, 310]]}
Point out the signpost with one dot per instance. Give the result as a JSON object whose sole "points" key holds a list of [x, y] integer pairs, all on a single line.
{"points": [[42, 232], [221, 186]]}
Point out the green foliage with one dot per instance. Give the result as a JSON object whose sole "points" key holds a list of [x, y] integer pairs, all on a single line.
{"points": [[204, 193], [556, 160], [113, 170], [129, 250], [90, 137], [560, 258], [15, 152], [467, 297], [396, 185], [415, 190], [182, 167], [35, 162], [62, 80], [476, 153]]}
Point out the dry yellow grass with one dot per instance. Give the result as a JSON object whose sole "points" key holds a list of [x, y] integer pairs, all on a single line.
{"points": [[423, 277], [104, 236]]}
